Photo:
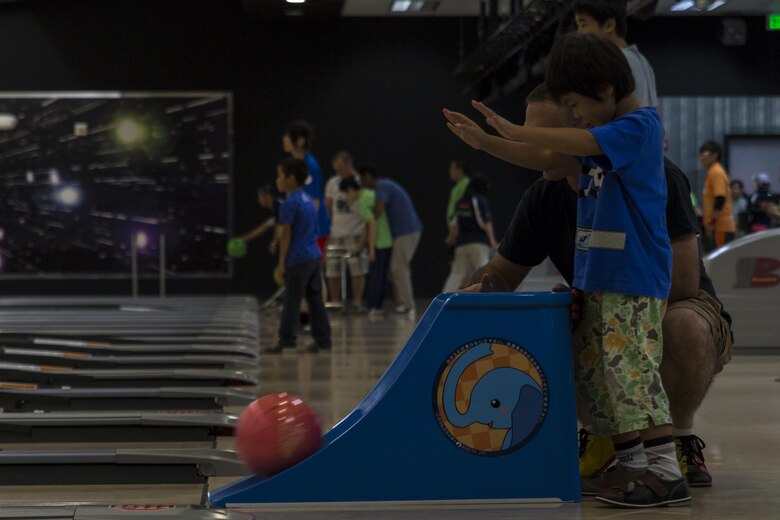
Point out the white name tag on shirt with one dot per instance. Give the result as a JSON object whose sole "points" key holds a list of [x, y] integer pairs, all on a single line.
{"points": [[588, 238]]}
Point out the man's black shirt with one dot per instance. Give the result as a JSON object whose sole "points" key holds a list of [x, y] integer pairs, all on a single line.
{"points": [[545, 225]]}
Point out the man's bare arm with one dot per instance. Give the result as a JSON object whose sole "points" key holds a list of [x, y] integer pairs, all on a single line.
{"points": [[685, 268], [498, 275]]}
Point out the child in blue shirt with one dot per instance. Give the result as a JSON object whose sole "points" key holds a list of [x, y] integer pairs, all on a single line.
{"points": [[297, 141], [622, 259], [299, 259]]}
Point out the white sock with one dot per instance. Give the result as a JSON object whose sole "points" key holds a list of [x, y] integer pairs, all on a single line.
{"points": [[631, 454], [662, 458], [682, 432]]}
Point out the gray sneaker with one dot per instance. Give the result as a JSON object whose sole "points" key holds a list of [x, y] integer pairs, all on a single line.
{"points": [[649, 490], [615, 476], [357, 309], [376, 313]]}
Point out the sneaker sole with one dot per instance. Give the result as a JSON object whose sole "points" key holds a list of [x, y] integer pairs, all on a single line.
{"points": [[668, 503]]}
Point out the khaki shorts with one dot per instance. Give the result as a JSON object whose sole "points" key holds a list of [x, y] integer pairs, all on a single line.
{"points": [[709, 308], [357, 264]]}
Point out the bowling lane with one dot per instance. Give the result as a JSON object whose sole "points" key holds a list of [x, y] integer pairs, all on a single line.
{"points": [[744, 462], [333, 383]]}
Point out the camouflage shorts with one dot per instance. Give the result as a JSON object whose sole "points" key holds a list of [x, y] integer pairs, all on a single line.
{"points": [[619, 345]]}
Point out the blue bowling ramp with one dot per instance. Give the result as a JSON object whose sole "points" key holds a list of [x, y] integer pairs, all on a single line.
{"points": [[478, 406]]}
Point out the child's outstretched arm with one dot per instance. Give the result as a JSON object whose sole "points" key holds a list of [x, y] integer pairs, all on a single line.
{"points": [[503, 126], [569, 141], [573, 141], [520, 154]]}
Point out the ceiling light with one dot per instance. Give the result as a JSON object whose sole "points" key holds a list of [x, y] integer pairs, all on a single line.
{"points": [[296, 1], [414, 6], [400, 6], [682, 5], [714, 5]]}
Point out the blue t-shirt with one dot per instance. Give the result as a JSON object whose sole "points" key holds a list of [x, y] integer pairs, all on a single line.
{"points": [[299, 213], [622, 245], [473, 214], [400, 211], [315, 187]]}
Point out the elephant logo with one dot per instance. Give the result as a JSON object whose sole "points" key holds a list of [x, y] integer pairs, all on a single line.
{"points": [[490, 397]]}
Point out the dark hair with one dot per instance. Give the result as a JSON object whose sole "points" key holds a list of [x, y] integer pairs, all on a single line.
{"points": [[342, 154], [368, 171], [603, 10], [461, 164], [349, 183], [585, 64], [738, 183], [478, 185], [540, 94], [711, 147], [266, 188], [300, 129], [292, 167]]}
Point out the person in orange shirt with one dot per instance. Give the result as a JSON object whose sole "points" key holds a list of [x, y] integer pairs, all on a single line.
{"points": [[719, 227]]}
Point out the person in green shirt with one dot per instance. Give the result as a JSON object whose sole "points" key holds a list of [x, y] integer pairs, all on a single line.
{"points": [[458, 170], [380, 245]]}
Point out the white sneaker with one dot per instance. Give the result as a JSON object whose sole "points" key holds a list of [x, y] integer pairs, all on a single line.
{"points": [[406, 312], [376, 313]]}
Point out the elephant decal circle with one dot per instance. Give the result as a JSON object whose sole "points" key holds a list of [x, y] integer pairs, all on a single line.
{"points": [[490, 397]]}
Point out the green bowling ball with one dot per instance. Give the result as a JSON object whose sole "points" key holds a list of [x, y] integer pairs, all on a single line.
{"points": [[237, 247]]}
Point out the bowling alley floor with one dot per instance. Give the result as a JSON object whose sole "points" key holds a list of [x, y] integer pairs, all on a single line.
{"points": [[740, 422]]}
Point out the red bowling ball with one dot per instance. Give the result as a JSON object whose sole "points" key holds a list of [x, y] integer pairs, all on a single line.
{"points": [[276, 432]]}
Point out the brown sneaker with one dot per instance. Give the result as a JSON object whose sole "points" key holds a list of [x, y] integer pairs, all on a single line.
{"points": [[615, 476], [691, 458], [649, 490]]}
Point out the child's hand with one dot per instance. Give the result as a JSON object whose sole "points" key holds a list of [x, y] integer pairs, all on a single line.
{"points": [[506, 129], [468, 131]]}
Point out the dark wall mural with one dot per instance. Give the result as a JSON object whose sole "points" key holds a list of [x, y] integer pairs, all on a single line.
{"points": [[82, 175]]}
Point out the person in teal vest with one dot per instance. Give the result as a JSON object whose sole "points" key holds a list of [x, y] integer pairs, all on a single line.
{"points": [[458, 170]]}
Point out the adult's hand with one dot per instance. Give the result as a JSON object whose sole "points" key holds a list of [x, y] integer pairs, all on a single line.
{"points": [[490, 282], [576, 306]]}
